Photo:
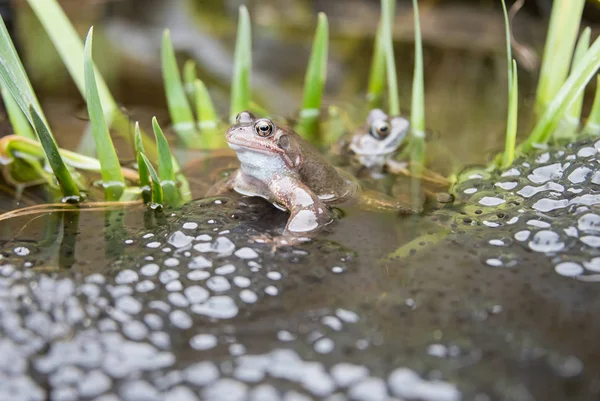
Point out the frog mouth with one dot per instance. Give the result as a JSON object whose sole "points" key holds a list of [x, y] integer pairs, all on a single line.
{"points": [[241, 144]]}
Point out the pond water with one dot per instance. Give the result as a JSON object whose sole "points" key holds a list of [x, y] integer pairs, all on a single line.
{"points": [[494, 297]]}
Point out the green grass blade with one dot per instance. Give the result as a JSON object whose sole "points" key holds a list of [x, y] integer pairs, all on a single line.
{"points": [[511, 124], [157, 191], [69, 47], [179, 108], [574, 85], [18, 121], [377, 72], [114, 183], [166, 171], [417, 114], [509, 58], [145, 184], [558, 51], [14, 78], [316, 73], [242, 70], [207, 116], [64, 178], [572, 117], [189, 80], [592, 127], [387, 17]]}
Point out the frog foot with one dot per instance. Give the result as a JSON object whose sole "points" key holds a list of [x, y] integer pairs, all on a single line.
{"points": [[279, 241]]}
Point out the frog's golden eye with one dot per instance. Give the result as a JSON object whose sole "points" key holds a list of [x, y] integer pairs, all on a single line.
{"points": [[263, 128], [380, 129]]}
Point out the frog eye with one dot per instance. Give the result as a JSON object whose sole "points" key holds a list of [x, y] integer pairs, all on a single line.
{"points": [[263, 128], [380, 129]]}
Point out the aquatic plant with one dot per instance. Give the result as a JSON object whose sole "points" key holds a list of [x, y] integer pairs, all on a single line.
{"points": [[417, 115], [180, 110], [314, 82], [113, 180], [25, 110], [242, 70], [559, 101], [508, 156], [69, 45], [592, 127], [558, 51], [387, 19]]}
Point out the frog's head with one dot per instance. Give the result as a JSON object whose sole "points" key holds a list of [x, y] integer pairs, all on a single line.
{"points": [[380, 139], [255, 139]]}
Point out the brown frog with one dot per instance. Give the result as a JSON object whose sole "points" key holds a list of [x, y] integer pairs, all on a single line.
{"points": [[278, 165]]}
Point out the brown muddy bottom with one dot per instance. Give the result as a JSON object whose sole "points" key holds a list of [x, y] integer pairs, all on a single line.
{"points": [[494, 298]]}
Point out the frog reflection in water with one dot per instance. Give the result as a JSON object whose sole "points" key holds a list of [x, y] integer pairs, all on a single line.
{"points": [[278, 165]]}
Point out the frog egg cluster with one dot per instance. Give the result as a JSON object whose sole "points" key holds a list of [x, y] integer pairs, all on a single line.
{"points": [[177, 316], [548, 205]]}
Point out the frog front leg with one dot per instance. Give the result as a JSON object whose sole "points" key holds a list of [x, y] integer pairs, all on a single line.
{"points": [[308, 213]]}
